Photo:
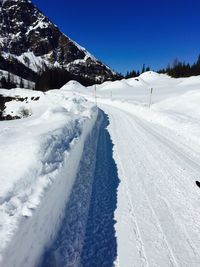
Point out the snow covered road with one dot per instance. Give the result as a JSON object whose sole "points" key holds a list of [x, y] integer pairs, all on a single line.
{"points": [[158, 213], [157, 152]]}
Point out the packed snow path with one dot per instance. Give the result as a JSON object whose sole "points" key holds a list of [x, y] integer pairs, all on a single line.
{"points": [[87, 235], [158, 211]]}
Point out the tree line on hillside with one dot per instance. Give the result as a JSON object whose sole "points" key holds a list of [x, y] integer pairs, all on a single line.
{"points": [[56, 78], [176, 70], [181, 69], [7, 82], [134, 73]]}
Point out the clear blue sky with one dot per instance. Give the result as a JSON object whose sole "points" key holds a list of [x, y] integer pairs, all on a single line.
{"points": [[124, 34]]}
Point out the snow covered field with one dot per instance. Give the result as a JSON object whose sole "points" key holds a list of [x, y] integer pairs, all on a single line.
{"points": [[157, 153]]}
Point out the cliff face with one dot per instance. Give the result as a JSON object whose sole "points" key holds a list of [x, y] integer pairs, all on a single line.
{"points": [[30, 41]]}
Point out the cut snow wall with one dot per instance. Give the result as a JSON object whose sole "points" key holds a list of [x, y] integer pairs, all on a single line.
{"points": [[39, 230], [67, 247]]}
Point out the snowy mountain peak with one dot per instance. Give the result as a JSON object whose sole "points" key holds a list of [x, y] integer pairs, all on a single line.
{"points": [[28, 36]]}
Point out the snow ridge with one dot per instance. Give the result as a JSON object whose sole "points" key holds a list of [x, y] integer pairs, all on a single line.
{"points": [[48, 146]]}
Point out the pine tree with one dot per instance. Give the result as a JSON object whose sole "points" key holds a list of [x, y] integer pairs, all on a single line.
{"points": [[181, 69], [143, 68], [3, 82], [198, 61], [9, 78], [131, 74], [21, 85]]}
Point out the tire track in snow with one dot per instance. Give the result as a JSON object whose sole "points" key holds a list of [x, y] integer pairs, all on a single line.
{"points": [[172, 259], [170, 211], [157, 170], [136, 230], [181, 157], [145, 203]]}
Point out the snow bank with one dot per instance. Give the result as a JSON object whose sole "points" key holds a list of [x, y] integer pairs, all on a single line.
{"points": [[175, 102], [72, 86], [137, 90], [40, 155]]}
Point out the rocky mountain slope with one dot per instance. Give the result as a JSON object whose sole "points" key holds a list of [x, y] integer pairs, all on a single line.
{"points": [[30, 42]]}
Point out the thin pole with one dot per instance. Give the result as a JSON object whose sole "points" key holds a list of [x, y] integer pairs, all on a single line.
{"points": [[150, 97]]}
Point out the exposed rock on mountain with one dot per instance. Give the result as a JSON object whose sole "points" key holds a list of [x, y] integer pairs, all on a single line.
{"points": [[30, 43]]}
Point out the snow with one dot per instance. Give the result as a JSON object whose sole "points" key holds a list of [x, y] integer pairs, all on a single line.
{"points": [[77, 62], [158, 212], [38, 24], [157, 152], [73, 86], [31, 61], [175, 102], [40, 155], [35, 63], [156, 149]]}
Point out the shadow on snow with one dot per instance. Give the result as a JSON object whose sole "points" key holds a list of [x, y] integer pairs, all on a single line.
{"points": [[87, 235]]}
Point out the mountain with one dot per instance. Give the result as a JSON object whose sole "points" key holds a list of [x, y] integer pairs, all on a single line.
{"points": [[31, 43]]}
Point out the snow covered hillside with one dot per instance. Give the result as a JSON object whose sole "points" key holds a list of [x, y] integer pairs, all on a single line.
{"points": [[174, 102], [157, 152], [40, 155]]}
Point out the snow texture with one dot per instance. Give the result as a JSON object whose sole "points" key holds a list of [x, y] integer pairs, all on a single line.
{"points": [[157, 152], [87, 234], [40, 156]]}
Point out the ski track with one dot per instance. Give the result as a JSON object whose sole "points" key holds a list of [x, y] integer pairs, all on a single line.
{"points": [[158, 213]]}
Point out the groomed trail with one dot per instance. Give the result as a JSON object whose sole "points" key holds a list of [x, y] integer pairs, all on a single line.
{"points": [[158, 210]]}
